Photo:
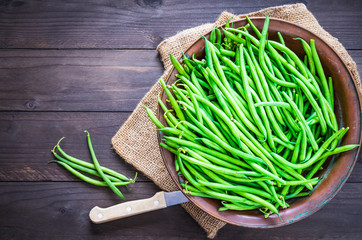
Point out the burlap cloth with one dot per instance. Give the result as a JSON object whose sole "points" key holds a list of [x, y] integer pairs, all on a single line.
{"points": [[136, 141]]}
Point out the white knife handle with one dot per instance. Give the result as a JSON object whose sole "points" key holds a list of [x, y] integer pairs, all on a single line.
{"points": [[127, 209]]}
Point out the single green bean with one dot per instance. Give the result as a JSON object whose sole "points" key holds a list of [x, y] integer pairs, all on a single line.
{"points": [[99, 169]]}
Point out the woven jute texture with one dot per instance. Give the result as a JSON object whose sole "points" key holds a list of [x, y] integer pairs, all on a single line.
{"points": [[136, 141]]}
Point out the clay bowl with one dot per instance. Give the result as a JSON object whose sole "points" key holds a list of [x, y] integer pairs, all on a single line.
{"points": [[336, 170]]}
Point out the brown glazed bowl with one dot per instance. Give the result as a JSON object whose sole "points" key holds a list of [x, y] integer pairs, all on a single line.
{"points": [[336, 170]]}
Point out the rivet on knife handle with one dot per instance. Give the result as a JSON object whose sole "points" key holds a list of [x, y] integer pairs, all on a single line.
{"points": [[127, 209]]}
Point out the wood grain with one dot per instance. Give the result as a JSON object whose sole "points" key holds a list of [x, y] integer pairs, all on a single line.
{"points": [[60, 210], [145, 23], [27, 138], [81, 80]]}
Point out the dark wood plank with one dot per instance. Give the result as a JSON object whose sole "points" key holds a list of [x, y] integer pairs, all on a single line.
{"points": [[27, 138], [60, 210], [144, 23], [80, 80], [93, 80]]}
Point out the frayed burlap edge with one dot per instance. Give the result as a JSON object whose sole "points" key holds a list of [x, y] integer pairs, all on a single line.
{"points": [[136, 141]]}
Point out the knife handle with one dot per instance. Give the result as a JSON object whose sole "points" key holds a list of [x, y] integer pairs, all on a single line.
{"points": [[127, 209]]}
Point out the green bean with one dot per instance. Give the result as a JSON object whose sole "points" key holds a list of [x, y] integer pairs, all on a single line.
{"points": [[295, 154], [153, 118], [196, 105], [86, 178], [308, 51], [309, 154], [89, 170], [262, 45], [246, 180], [225, 52], [99, 169], [337, 150], [173, 119], [243, 105], [248, 94], [190, 64], [173, 102], [236, 189], [281, 40], [212, 35], [233, 37], [255, 29], [290, 67], [211, 193], [236, 152], [87, 164], [180, 95], [325, 106], [224, 86], [275, 104], [231, 64], [230, 123], [303, 122], [268, 119], [206, 150], [178, 66], [192, 191], [315, 156], [263, 89], [312, 181], [200, 155], [287, 145], [208, 56], [319, 68], [228, 206], [189, 84], [290, 121], [227, 147], [278, 199], [169, 148], [231, 139], [245, 139], [291, 54], [218, 36], [196, 83], [176, 132], [215, 134], [217, 91], [213, 145], [303, 146], [330, 85]]}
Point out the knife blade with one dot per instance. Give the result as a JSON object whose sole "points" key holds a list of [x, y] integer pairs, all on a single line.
{"points": [[175, 198], [158, 201]]}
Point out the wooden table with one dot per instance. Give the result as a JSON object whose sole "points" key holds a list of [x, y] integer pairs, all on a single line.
{"points": [[71, 65]]}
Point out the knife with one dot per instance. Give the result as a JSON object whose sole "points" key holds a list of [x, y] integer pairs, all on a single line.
{"points": [[158, 201]]}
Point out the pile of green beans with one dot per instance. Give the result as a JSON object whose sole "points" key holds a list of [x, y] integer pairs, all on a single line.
{"points": [[110, 178], [251, 124]]}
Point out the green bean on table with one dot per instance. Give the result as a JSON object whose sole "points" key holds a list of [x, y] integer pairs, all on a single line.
{"points": [[251, 124], [76, 166]]}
